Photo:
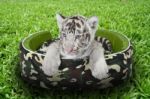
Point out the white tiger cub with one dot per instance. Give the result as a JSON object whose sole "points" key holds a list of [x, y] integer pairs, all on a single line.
{"points": [[76, 41]]}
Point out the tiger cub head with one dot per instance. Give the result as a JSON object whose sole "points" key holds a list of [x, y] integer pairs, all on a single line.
{"points": [[76, 33]]}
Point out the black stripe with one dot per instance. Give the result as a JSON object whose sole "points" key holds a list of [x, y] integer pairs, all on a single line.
{"points": [[75, 17], [87, 36]]}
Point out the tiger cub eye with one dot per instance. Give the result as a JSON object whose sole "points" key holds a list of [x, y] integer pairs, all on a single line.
{"points": [[78, 36], [63, 34]]}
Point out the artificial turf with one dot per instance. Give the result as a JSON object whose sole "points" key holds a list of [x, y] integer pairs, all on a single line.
{"points": [[19, 18]]}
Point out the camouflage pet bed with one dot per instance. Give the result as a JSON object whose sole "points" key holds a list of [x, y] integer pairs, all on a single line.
{"points": [[75, 74]]}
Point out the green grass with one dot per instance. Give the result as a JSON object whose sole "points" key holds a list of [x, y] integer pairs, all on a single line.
{"points": [[19, 18]]}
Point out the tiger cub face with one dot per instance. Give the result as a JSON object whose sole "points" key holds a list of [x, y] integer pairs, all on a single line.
{"points": [[76, 33]]}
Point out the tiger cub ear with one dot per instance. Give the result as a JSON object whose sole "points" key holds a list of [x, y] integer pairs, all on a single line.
{"points": [[60, 18], [93, 22]]}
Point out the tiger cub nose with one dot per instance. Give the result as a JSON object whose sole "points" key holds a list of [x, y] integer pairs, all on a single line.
{"points": [[68, 50]]}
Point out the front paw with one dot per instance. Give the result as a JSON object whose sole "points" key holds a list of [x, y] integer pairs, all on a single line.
{"points": [[100, 71], [50, 67]]}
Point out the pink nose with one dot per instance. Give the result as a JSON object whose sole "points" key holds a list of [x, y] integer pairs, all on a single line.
{"points": [[68, 50]]}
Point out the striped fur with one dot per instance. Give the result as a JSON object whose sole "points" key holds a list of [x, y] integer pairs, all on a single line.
{"points": [[76, 42], [105, 43], [76, 34]]}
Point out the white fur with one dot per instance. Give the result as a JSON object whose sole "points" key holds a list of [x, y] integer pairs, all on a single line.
{"points": [[93, 22], [59, 20], [95, 50], [97, 63], [78, 56], [52, 59]]}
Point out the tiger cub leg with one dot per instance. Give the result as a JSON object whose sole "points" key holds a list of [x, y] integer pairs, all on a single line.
{"points": [[97, 62], [52, 59]]}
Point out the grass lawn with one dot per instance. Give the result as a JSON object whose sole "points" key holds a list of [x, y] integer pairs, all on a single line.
{"points": [[19, 18]]}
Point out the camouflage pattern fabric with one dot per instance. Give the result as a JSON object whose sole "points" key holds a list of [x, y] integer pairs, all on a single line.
{"points": [[75, 74]]}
